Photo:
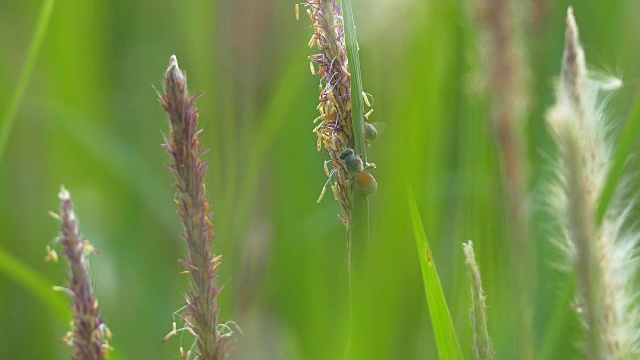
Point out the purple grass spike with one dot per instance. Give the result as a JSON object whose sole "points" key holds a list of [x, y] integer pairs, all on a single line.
{"points": [[213, 340], [89, 335]]}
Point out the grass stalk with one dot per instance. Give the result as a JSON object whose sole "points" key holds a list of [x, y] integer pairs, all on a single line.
{"points": [[506, 76], [9, 117], [341, 129], [359, 231]]}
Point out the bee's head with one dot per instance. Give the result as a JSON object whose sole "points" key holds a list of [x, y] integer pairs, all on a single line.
{"points": [[346, 153]]}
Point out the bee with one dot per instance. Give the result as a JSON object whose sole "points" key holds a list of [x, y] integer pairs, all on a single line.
{"points": [[356, 167]]}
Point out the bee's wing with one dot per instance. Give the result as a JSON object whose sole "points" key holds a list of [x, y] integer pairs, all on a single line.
{"points": [[380, 127]]}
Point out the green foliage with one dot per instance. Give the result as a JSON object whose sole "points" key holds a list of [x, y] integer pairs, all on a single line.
{"points": [[90, 120], [34, 283]]}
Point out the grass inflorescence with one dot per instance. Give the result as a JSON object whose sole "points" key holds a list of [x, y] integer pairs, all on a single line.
{"points": [[213, 339], [335, 123], [475, 160], [89, 336]]}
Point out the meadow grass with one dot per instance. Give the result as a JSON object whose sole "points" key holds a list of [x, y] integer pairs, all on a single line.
{"points": [[88, 119]]}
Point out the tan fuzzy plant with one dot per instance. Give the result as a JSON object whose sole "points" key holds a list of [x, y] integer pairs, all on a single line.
{"points": [[482, 347], [602, 254]]}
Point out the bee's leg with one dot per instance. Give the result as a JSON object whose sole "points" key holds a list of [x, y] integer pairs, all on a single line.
{"points": [[350, 180], [324, 188]]}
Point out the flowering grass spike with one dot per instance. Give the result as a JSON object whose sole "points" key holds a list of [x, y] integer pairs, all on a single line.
{"points": [[335, 123], [89, 334], [213, 340]]}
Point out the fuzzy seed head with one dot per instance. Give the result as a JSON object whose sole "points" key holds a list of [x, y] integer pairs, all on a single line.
{"points": [[605, 259]]}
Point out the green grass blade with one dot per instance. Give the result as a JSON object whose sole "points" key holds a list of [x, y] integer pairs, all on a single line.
{"points": [[553, 340], [33, 282], [41, 289], [445, 334], [359, 232], [272, 124], [357, 102], [8, 120]]}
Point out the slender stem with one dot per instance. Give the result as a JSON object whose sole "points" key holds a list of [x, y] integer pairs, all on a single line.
{"points": [[9, 117], [359, 230], [506, 73]]}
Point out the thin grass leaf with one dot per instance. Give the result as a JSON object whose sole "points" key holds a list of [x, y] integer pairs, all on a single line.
{"points": [[287, 92], [40, 288], [9, 118], [359, 232], [445, 334]]}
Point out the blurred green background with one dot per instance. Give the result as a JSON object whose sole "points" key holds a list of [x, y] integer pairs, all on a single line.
{"points": [[90, 120]]}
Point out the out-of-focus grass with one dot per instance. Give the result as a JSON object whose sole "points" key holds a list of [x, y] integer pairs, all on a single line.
{"points": [[34, 283], [9, 114], [90, 120]]}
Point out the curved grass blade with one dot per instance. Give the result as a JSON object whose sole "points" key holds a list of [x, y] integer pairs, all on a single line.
{"points": [[445, 334], [41, 289], [34, 283], [8, 119]]}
